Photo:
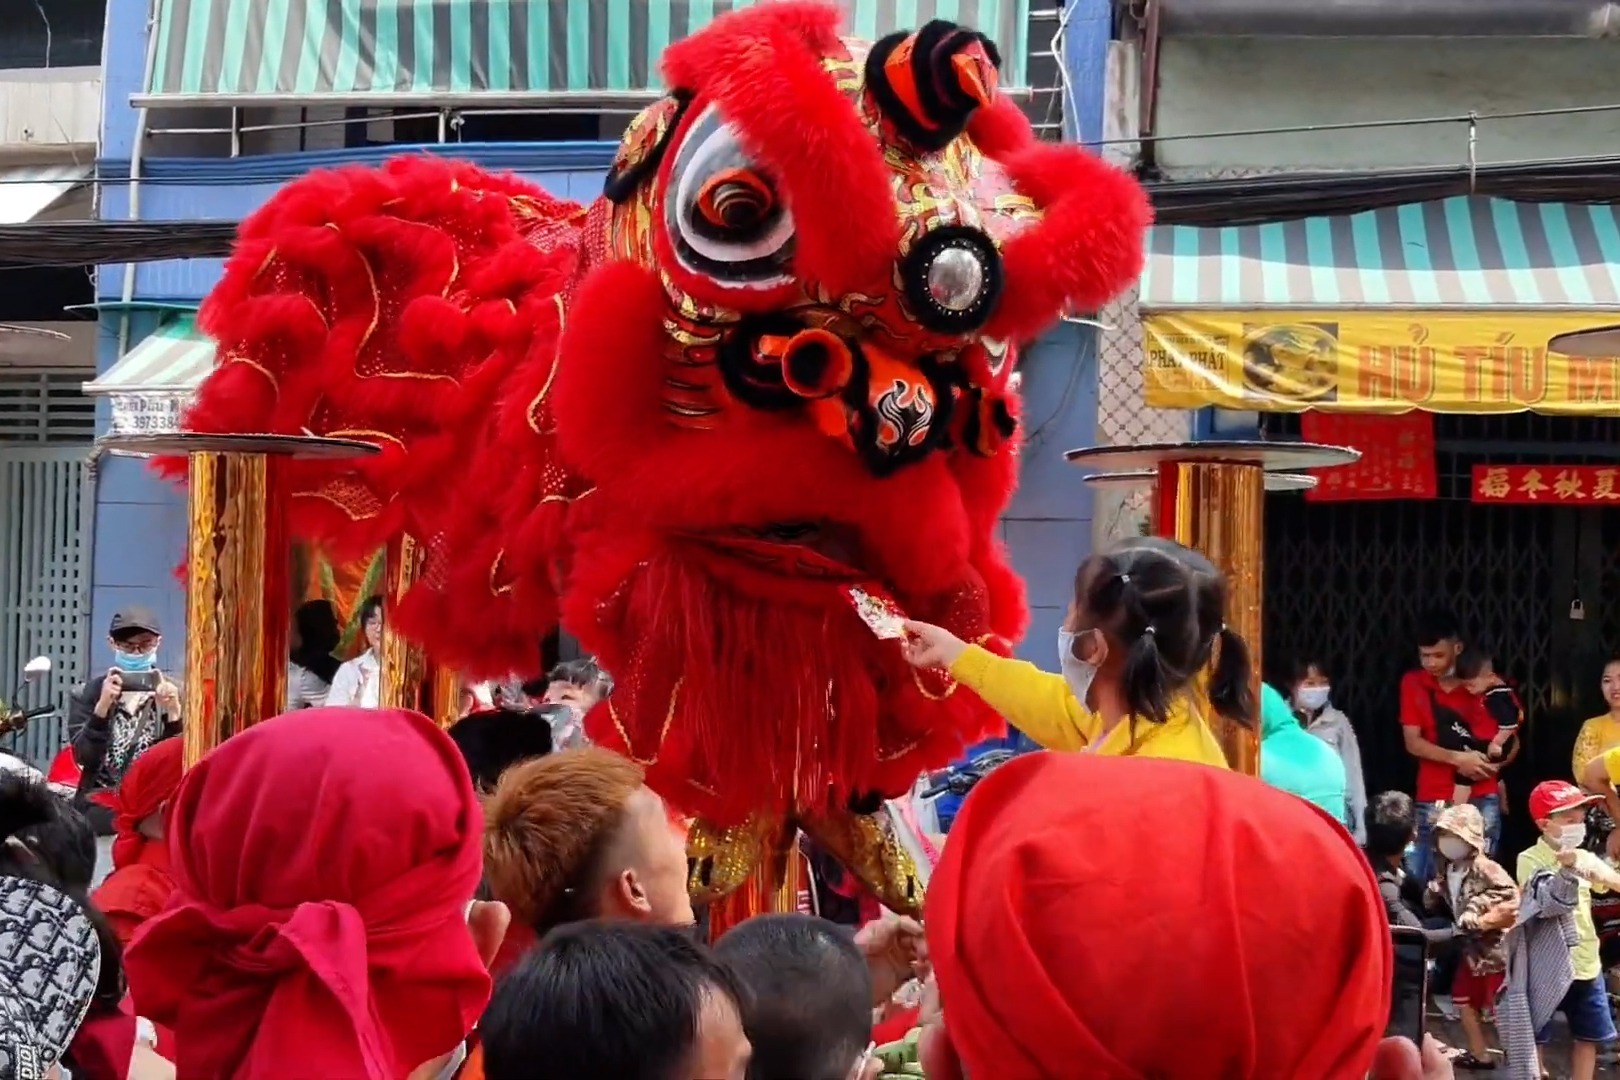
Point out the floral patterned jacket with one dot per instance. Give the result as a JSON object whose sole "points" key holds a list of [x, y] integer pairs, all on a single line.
{"points": [[1487, 902]]}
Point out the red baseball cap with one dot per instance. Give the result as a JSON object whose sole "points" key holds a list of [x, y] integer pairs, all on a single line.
{"points": [[1554, 796]]}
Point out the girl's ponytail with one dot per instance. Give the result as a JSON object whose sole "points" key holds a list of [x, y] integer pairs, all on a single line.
{"points": [[1146, 684], [1231, 692]]}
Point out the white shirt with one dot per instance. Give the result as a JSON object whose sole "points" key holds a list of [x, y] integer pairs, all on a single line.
{"points": [[356, 682], [305, 689]]}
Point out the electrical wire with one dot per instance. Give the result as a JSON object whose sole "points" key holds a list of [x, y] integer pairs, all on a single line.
{"points": [[1244, 201], [1276, 197]]}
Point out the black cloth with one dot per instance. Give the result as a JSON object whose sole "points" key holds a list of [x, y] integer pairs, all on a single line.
{"points": [[318, 637], [1453, 731], [493, 740]]}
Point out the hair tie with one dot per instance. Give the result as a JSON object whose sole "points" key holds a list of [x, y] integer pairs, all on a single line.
{"points": [[1124, 579], [1222, 630], [1151, 630]]}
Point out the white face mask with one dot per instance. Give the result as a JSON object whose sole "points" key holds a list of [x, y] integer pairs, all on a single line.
{"points": [[1455, 847], [1311, 698], [1569, 837], [1077, 673]]}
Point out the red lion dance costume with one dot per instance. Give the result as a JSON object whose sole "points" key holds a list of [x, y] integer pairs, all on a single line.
{"points": [[771, 361]]}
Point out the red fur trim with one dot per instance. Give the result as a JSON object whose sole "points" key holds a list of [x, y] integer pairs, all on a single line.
{"points": [[987, 485], [1089, 244], [813, 685], [762, 67], [612, 369], [488, 599], [398, 304]]}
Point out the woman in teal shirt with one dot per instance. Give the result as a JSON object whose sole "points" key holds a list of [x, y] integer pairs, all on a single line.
{"points": [[1295, 760]]}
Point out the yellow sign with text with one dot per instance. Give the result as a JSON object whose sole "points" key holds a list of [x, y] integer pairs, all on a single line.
{"points": [[1380, 362]]}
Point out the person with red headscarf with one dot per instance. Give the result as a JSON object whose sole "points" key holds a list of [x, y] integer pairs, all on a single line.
{"points": [[1125, 918], [139, 885], [324, 869]]}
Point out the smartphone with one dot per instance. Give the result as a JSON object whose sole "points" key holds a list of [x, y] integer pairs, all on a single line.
{"points": [[140, 680], [1410, 994]]}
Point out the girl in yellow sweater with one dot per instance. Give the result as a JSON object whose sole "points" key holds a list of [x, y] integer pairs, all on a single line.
{"points": [[1142, 627]]}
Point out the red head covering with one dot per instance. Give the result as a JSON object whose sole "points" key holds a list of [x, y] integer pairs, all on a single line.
{"points": [[139, 885], [131, 896], [322, 864], [150, 782], [1123, 918]]}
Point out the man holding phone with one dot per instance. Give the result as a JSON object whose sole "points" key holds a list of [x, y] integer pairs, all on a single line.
{"points": [[116, 717]]}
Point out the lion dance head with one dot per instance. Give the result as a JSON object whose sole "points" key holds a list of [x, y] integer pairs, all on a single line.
{"points": [[772, 362]]}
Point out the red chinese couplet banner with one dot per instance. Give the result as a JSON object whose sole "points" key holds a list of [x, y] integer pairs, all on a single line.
{"points": [[1397, 456], [1563, 485]]}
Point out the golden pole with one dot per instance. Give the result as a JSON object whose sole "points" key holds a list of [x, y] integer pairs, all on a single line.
{"points": [[403, 666], [236, 598], [409, 679], [1218, 508], [443, 695]]}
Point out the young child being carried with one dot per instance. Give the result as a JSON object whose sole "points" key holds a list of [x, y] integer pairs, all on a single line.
{"points": [[1483, 902], [1494, 726]]}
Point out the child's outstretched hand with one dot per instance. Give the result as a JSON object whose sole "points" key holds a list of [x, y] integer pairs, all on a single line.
{"points": [[930, 646], [1568, 857]]}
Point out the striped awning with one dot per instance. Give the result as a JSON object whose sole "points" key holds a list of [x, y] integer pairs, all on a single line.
{"points": [[174, 358], [223, 52], [27, 191], [153, 383], [1454, 253]]}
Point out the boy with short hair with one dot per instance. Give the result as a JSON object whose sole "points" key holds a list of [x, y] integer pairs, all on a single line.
{"points": [[1494, 725], [1559, 810], [1483, 902]]}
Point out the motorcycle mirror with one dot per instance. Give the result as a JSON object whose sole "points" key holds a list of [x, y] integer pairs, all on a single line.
{"points": [[37, 668]]}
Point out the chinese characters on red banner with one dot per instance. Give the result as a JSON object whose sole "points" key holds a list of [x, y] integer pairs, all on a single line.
{"points": [[1563, 485], [1397, 456]]}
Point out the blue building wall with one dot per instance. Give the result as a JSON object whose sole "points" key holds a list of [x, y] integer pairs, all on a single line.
{"points": [[1047, 528], [140, 520], [140, 525]]}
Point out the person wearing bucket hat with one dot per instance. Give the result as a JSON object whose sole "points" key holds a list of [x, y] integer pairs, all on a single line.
{"points": [[1483, 902], [1559, 810]]}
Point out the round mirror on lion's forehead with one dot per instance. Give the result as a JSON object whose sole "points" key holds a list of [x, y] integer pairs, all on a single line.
{"points": [[1597, 342], [956, 279], [952, 278]]}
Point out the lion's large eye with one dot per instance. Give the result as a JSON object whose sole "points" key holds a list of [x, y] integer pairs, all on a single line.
{"points": [[724, 215]]}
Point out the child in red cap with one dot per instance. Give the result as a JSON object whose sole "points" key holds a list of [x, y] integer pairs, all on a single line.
{"points": [[1559, 810]]}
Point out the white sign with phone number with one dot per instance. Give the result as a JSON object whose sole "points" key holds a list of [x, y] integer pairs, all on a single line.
{"points": [[147, 414]]}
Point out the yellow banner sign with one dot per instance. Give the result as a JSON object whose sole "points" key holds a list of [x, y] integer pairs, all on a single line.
{"points": [[1381, 362]]}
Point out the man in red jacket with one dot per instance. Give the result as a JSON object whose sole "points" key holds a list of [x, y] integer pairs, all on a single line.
{"points": [[1433, 695]]}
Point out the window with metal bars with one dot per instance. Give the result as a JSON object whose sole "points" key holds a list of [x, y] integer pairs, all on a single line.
{"points": [[46, 407], [1348, 582]]}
